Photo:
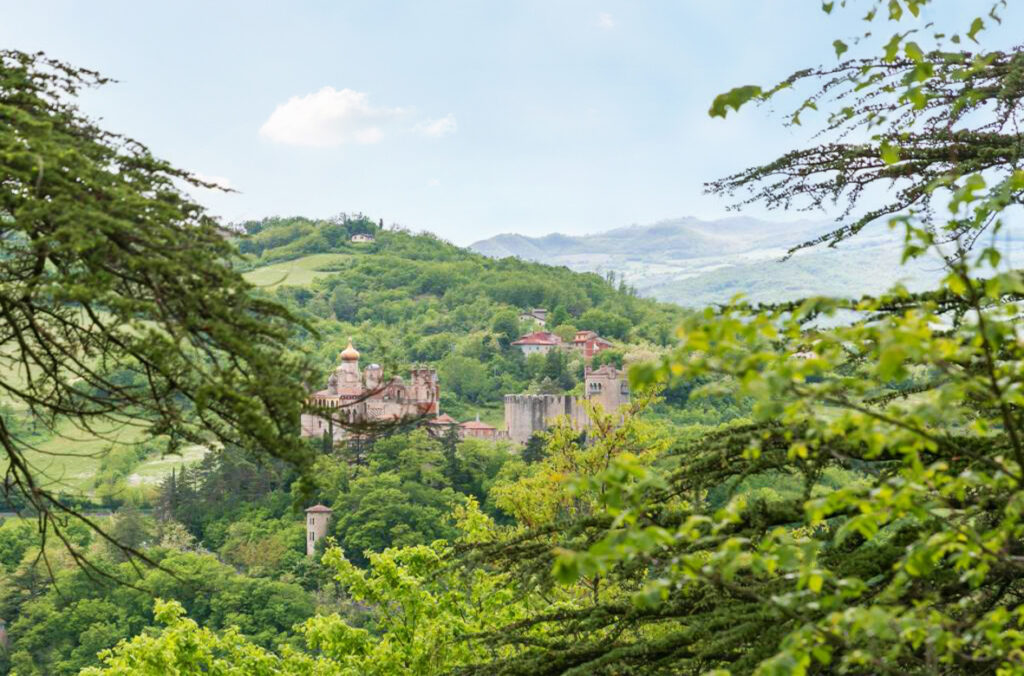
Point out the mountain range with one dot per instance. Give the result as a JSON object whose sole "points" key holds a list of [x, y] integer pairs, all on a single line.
{"points": [[695, 262]]}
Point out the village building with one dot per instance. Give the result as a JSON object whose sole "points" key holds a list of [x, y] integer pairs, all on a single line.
{"points": [[589, 343], [537, 315], [439, 426], [317, 519], [354, 397], [362, 238], [538, 342], [474, 429], [526, 414]]}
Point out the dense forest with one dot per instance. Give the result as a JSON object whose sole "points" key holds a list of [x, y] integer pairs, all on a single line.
{"points": [[823, 486]]}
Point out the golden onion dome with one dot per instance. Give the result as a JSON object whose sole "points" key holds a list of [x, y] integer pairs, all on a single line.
{"points": [[350, 353]]}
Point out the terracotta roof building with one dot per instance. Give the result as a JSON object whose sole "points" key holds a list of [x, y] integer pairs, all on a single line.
{"points": [[474, 429], [538, 342], [589, 343]]}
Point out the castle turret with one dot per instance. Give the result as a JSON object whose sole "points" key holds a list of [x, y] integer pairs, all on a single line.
{"points": [[317, 519], [607, 386], [347, 378]]}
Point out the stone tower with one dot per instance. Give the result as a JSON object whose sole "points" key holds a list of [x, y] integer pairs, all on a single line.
{"points": [[3, 634], [317, 518], [607, 386]]}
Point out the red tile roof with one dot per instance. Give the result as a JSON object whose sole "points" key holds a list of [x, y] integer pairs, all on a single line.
{"points": [[477, 425], [444, 419], [319, 509], [538, 338]]}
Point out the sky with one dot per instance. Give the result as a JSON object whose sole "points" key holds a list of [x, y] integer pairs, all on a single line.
{"points": [[464, 118]]}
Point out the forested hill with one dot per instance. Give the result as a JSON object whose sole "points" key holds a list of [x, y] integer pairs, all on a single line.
{"points": [[413, 298]]}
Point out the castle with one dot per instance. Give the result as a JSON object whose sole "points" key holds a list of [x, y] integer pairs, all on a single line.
{"points": [[526, 414], [355, 397]]}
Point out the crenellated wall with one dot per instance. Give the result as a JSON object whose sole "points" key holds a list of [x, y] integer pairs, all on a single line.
{"points": [[526, 414]]}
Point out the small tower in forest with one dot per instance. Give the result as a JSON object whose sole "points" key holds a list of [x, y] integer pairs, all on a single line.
{"points": [[317, 518], [3, 634]]}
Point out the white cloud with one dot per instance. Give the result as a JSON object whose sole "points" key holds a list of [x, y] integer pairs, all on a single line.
{"points": [[329, 118], [434, 182], [605, 21], [442, 126]]}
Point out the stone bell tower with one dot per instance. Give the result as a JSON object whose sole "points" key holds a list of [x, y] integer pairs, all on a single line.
{"points": [[317, 518]]}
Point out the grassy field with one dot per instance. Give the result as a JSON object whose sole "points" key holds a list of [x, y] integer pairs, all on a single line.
{"points": [[70, 460], [298, 272], [155, 468]]}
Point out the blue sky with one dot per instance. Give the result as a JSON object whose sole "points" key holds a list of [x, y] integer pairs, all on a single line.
{"points": [[467, 119]]}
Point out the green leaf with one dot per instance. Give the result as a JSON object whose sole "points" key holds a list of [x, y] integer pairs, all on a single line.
{"points": [[976, 26], [734, 98], [892, 47], [913, 52], [840, 47], [890, 153]]}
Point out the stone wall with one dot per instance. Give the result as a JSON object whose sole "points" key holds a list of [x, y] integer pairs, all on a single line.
{"points": [[529, 413], [526, 414]]}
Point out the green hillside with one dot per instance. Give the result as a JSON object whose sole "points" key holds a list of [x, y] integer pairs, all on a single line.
{"points": [[405, 299], [414, 299]]}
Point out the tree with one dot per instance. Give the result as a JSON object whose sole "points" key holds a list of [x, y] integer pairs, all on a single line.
{"points": [[910, 561], [383, 511], [534, 450], [344, 303], [467, 377], [427, 616], [128, 529], [110, 270], [506, 327], [566, 332], [559, 317], [606, 323]]}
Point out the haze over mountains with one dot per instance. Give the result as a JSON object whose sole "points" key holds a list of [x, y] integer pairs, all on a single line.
{"points": [[696, 263]]}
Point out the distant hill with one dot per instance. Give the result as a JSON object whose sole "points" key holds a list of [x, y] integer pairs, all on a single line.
{"points": [[697, 263]]}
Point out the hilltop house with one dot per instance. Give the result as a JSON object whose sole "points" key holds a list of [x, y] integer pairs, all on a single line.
{"points": [[355, 397], [362, 238], [537, 315], [589, 343], [538, 342]]}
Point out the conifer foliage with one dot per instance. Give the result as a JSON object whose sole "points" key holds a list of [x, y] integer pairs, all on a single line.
{"points": [[118, 309]]}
